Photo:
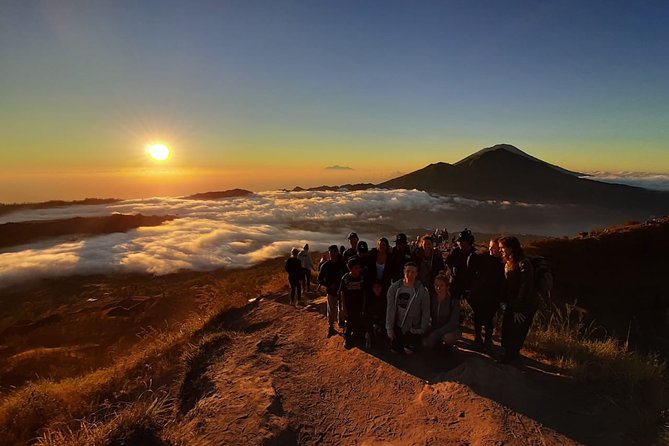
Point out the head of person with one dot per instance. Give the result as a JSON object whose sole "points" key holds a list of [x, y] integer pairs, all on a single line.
{"points": [[511, 250], [465, 240], [493, 247], [294, 252], [362, 249], [427, 244], [333, 252], [401, 241], [377, 288], [306, 247], [382, 244], [410, 273], [353, 240], [442, 283], [354, 266]]}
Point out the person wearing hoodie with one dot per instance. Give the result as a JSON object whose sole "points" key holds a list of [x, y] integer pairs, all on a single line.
{"points": [[407, 312], [353, 294], [445, 316], [400, 255], [330, 276], [307, 267]]}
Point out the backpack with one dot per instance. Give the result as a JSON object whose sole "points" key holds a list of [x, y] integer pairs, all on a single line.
{"points": [[543, 277]]}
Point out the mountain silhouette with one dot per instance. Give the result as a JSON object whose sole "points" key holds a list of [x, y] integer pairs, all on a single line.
{"points": [[504, 172]]}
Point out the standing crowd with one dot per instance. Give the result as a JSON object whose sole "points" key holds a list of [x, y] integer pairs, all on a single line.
{"points": [[409, 296]]}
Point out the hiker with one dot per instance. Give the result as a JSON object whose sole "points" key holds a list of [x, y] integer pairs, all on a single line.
{"points": [[462, 261], [493, 248], [407, 311], [444, 316], [295, 275], [375, 313], [367, 263], [324, 258], [399, 257], [307, 267], [330, 277], [487, 285], [353, 247], [430, 263], [521, 298], [352, 295], [381, 255]]}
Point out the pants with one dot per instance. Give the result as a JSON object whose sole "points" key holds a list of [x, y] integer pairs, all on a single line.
{"points": [[406, 340], [334, 315], [435, 339], [484, 317], [295, 288], [514, 333], [355, 322], [307, 278]]}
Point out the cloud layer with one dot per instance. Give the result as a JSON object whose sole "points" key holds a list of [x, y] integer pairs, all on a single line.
{"points": [[655, 181], [211, 234]]}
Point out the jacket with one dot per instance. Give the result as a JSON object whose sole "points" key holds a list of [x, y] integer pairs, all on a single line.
{"points": [[330, 275], [417, 318], [519, 288], [306, 260]]}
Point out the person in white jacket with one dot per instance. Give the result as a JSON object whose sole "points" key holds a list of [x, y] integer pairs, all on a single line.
{"points": [[307, 267], [408, 311]]}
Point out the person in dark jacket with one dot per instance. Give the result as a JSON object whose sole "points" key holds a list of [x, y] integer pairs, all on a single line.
{"points": [[293, 267], [400, 256], [330, 276], [430, 263], [486, 294], [522, 300], [375, 312], [367, 263], [462, 261], [352, 292], [444, 316], [353, 240], [381, 255]]}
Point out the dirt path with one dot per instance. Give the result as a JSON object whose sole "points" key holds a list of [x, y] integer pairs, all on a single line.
{"points": [[280, 381]]}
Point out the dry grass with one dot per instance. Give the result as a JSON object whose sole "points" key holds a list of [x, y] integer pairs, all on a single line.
{"points": [[636, 381], [46, 408]]}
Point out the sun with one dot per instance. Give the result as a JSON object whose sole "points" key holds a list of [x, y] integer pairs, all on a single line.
{"points": [[159, 152]]}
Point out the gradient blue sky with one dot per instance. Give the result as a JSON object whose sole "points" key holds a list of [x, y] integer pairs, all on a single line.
{"points": [[268, 94]]}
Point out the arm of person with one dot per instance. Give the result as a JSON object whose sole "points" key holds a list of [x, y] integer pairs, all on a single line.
{"points": [[424, 312], [390, 312]]}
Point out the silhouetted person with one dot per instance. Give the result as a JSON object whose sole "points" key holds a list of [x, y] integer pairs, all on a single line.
{"points": [[444, 316], [407, 312], [400, 255], [522, 300], [352, 250], [375, 313], [330, 277], [352, 295], [307, 267], [366, 258], [462, 261], [293, 267], [486, 293]]}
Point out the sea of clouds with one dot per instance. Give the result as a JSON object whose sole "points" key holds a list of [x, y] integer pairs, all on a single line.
{"points": [[210, 234], [656, 181]]}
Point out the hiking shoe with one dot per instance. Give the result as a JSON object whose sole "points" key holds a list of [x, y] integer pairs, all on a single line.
{"points": [[331, 332]]}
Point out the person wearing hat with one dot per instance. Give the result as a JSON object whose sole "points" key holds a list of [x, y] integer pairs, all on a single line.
{"points": [[462, 262], [353, 246], [330, 276], [401, 254], [367, 262]]}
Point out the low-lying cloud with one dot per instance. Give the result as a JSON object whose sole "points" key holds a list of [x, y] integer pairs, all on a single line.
{"points": [[656, 181], [210, 234], [337, 167]]}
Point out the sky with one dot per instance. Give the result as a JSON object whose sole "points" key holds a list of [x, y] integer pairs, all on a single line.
{"points": [[272, 94]]}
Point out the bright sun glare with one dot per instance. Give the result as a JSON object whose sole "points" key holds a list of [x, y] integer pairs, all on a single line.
{"points": [[158, 151]]}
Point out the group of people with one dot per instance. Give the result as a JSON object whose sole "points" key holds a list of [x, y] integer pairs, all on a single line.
{"points": [[411, 298]]}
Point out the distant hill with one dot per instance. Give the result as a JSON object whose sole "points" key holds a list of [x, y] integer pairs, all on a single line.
{"points": [[343, 187], [14, 234], [220, 194], [13, 207], [503, 172]]}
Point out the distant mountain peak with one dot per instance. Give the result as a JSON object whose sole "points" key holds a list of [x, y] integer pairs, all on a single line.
{"points": [[516, 151]]}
